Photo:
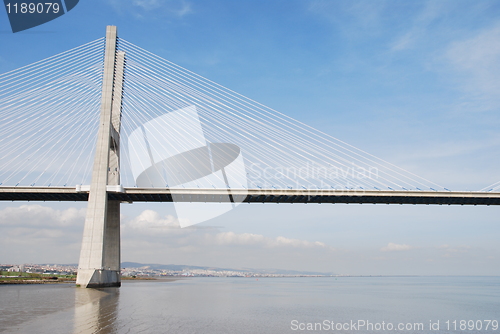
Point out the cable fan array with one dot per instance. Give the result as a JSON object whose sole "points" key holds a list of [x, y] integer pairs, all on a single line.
{"points": [[279, 152], [491, 188], [49, 113]]}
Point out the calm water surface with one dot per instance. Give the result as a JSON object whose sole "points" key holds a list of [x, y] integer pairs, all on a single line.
{"points": [[248, 305]]}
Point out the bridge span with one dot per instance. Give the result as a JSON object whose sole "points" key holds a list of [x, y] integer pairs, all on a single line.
{"points": [[332, 196]]}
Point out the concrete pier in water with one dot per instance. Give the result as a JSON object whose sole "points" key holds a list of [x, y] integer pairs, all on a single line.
{"points": [[99, 264]]}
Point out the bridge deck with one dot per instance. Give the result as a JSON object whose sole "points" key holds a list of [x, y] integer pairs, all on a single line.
{"points": [[256, 196]]}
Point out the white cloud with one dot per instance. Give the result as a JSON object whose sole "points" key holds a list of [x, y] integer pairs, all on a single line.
{"points": [[477, 54], [453, 251], [147, 4], [231, 238], [152, 237], [404, 42], [353, 18], [419, 29], [392, 247], [147, 9], [39, 234], [476, 62], [151, 219], [150, 223], [450, 149], [37, 215]]}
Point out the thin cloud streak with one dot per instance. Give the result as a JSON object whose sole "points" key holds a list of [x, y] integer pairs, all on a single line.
{"points": [[152, 9], [392, 247], [151, 223], [476, 62]]}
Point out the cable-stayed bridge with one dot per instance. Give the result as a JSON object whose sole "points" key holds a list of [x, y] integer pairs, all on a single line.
{"points": [[109, 122]]}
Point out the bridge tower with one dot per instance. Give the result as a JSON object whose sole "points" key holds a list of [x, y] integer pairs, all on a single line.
{"points": [[99, 264]]}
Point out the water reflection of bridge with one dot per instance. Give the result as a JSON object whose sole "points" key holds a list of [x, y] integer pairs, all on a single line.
{"points": [[96, 310]]}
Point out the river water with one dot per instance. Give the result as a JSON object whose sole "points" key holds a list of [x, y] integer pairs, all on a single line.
{"points": [[264, 305]]}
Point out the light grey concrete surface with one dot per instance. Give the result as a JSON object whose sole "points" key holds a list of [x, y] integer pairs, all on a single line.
{"points": [[99, 264], [211, 195]]}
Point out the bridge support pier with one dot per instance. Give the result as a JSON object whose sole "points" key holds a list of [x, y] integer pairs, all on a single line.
{"points": [[100, 259], [99, 264]]}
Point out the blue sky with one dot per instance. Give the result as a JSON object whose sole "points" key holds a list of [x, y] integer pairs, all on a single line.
{"points": [[413, 82]]}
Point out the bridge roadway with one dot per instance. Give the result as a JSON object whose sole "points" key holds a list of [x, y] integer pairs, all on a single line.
{"points": [[253, 195]]}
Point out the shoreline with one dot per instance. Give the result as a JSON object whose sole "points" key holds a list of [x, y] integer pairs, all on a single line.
{"points": [[69, 281], [11, 282]]}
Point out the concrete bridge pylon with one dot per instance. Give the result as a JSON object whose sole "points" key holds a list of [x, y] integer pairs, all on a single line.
{"points": [[99, 264]]}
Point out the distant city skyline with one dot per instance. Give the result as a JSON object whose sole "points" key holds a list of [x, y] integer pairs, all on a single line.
{"points": [[414, 83]]}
